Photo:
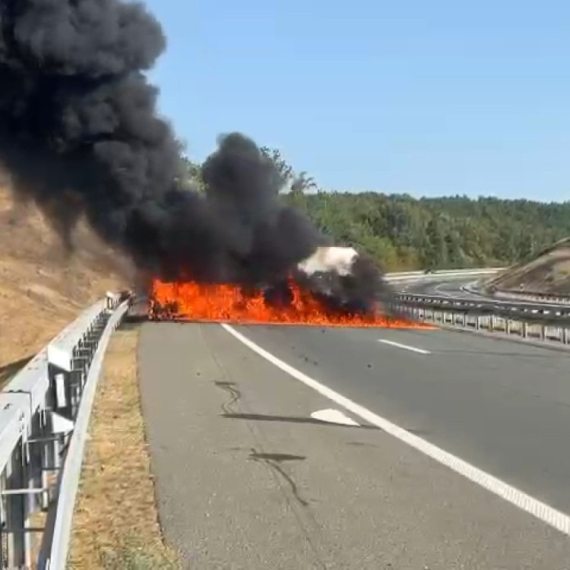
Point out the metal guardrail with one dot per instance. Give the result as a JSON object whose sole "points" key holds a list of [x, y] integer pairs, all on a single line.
{"points": [[447, 273], [531, 296], [527, 320], [44, 412], [514, 296]]}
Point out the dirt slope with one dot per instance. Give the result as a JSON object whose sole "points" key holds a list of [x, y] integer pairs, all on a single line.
{"points": [[41, 287], [548, 273]]}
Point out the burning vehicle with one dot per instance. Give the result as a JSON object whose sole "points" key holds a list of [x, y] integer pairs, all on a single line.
{"points": [[323, 290], [81, 137]]}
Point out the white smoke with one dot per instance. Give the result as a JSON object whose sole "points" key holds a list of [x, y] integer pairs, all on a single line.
{"points": [[325, 259]]}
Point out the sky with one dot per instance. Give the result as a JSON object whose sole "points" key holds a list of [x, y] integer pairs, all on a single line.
{"points": [[424, 97]]}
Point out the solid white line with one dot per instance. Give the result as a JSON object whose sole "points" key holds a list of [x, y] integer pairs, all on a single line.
{"points": [[404, 346], [540, 510]]}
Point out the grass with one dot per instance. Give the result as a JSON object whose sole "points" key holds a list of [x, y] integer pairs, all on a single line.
{"points": [[8, 370], [42, 286], [133, 558], [548, 273], [116, 521]]}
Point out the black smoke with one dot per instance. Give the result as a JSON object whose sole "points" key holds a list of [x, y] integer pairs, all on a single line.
{"points": [[80, 136]]}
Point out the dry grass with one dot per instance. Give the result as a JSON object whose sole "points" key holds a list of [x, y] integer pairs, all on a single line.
{"points": [[548, 273], [42, 288], [116, 522]]}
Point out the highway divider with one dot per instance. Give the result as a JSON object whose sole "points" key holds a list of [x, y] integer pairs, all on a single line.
{"points": [[44, 414], [513, 295], [443, 273], [531, 296], [541, 322]]}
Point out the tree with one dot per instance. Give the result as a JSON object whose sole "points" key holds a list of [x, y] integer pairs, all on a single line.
{"points": [[302, 182], [192, 175], [283, 168]]}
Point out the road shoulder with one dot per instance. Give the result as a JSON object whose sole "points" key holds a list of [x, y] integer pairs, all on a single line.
{"points": [[115, 522]]}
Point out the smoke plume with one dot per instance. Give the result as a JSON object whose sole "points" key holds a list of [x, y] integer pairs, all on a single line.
{"points": [[80, 135]]}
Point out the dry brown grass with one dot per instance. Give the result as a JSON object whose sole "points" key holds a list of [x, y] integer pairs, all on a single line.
{"points": [[42, 288], [549, 273], [116, 522]]}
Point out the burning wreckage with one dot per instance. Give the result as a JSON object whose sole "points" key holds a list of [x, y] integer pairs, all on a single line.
{"points": [[325, 289], [80, 136]]}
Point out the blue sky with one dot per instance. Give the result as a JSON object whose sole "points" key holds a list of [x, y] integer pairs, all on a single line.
{"points": [[430, 98]]}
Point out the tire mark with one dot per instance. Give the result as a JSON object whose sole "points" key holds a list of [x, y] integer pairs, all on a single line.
{"points": [[234, 393], [274, 461]]}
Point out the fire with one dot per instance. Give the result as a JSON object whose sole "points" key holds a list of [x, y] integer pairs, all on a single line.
{"points": [[229, 303]]}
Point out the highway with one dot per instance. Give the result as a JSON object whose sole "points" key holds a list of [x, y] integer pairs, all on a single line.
{"points": [[249, 476], [441, 287]]}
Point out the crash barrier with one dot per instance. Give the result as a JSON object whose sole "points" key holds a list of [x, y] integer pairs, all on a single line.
{"points": [[530, 296], [44, 413], [542, 321], [444, 273]]}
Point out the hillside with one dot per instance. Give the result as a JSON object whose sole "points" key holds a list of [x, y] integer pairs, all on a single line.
{"points": [[41, 287], [547, 273]]}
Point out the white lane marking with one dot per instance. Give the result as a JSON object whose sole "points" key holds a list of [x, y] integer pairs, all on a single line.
{"points": [[334, 417], [538, 509], [404, 346]]}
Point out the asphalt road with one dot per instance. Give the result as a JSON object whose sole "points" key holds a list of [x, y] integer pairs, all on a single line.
{"points": [[503, 406], [443, 287], [247, 478]]}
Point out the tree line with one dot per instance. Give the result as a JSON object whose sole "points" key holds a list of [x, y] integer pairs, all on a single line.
{"points": [[401, 232]]}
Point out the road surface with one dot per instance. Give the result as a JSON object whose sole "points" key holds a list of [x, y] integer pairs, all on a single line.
{"points": [[456, 288], [247, 478]]}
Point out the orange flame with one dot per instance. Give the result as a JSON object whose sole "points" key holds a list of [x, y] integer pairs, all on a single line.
{"points": [[228, 303]]}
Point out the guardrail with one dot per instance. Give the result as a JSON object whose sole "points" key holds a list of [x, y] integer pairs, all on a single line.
{"points": [[44, 412], [450, 273], [531, 296], [527, 320]]}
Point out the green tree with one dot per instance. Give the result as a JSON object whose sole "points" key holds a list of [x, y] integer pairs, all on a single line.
{"points": [[284, 169], [191, 176]]}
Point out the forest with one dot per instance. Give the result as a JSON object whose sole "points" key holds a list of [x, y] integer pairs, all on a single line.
{"points": [[401, 232], [404, 233]]}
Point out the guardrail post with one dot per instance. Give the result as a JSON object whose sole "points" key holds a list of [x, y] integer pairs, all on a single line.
{"points": [[47, 456], [33, 455], [60, 388], [15, 511], [507, 319]]}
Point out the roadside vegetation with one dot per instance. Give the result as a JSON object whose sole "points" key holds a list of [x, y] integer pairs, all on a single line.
{"points": [[115, 525], [547, 273], [43, 287]]}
